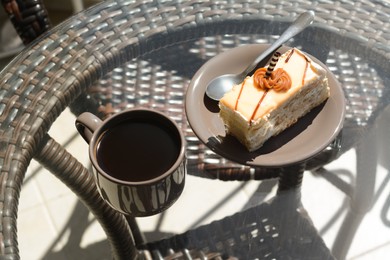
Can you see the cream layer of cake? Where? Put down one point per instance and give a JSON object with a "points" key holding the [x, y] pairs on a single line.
{"points": [[253, 115]]}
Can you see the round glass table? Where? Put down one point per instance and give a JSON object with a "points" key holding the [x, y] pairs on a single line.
{"points": [[123, 54]]}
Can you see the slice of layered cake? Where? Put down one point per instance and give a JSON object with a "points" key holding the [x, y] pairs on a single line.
{"points": [[270, 101]]}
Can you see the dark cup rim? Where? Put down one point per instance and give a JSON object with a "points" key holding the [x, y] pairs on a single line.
{"points": [[119, 117]]}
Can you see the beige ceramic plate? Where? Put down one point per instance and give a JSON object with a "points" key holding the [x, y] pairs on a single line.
{"points": [[310, 135]]}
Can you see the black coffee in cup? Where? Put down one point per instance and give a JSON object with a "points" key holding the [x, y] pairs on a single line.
{"points": [[138, 150], [138, 158]]}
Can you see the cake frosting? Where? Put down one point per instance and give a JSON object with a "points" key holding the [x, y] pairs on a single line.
{"points": [[264, 105]]}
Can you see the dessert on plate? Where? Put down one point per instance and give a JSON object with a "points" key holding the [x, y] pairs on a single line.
{"points": [[273, 98]]}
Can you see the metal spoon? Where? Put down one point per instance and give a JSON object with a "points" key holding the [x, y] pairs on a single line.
{"points": [[222, 84]]}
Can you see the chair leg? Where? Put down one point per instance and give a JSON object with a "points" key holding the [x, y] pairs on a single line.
{"points": [[362, 195]]}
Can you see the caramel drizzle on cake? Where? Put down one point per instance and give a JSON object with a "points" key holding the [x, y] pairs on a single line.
{"points": [[257, 107], [289, 56], [278, 80], [307, 64], [239, 94]]}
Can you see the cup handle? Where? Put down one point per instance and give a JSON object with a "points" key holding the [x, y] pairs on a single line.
{"points": [[86, 124]]}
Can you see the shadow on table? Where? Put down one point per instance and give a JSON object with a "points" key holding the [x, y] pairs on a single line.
{"points": [[384, 152], [74, 230], [79, 222], [259, 221]]}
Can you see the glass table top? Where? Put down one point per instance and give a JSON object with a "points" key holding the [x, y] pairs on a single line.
{"points": [[124, 54]]}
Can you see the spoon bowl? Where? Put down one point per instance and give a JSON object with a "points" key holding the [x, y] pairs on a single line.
{"points": [[224, 83], [221, 85]]}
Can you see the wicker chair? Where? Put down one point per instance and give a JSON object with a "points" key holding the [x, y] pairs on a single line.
{"points": [[204, 38]]}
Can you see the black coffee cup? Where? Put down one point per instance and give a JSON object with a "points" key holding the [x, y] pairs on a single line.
{"points": [[138, 157]]}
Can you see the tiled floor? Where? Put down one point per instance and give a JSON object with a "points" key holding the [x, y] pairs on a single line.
{"points": [[52, 224]]}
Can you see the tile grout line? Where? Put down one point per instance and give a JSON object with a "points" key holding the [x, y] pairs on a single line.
{"points": [[46, 207]]}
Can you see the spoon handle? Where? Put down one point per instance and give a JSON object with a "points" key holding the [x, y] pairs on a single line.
{"points": [[303, 20]]}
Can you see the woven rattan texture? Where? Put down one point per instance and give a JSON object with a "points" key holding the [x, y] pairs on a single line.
{"points": [[256, 233], [29, 18], [159, 81], [37, 86]]}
